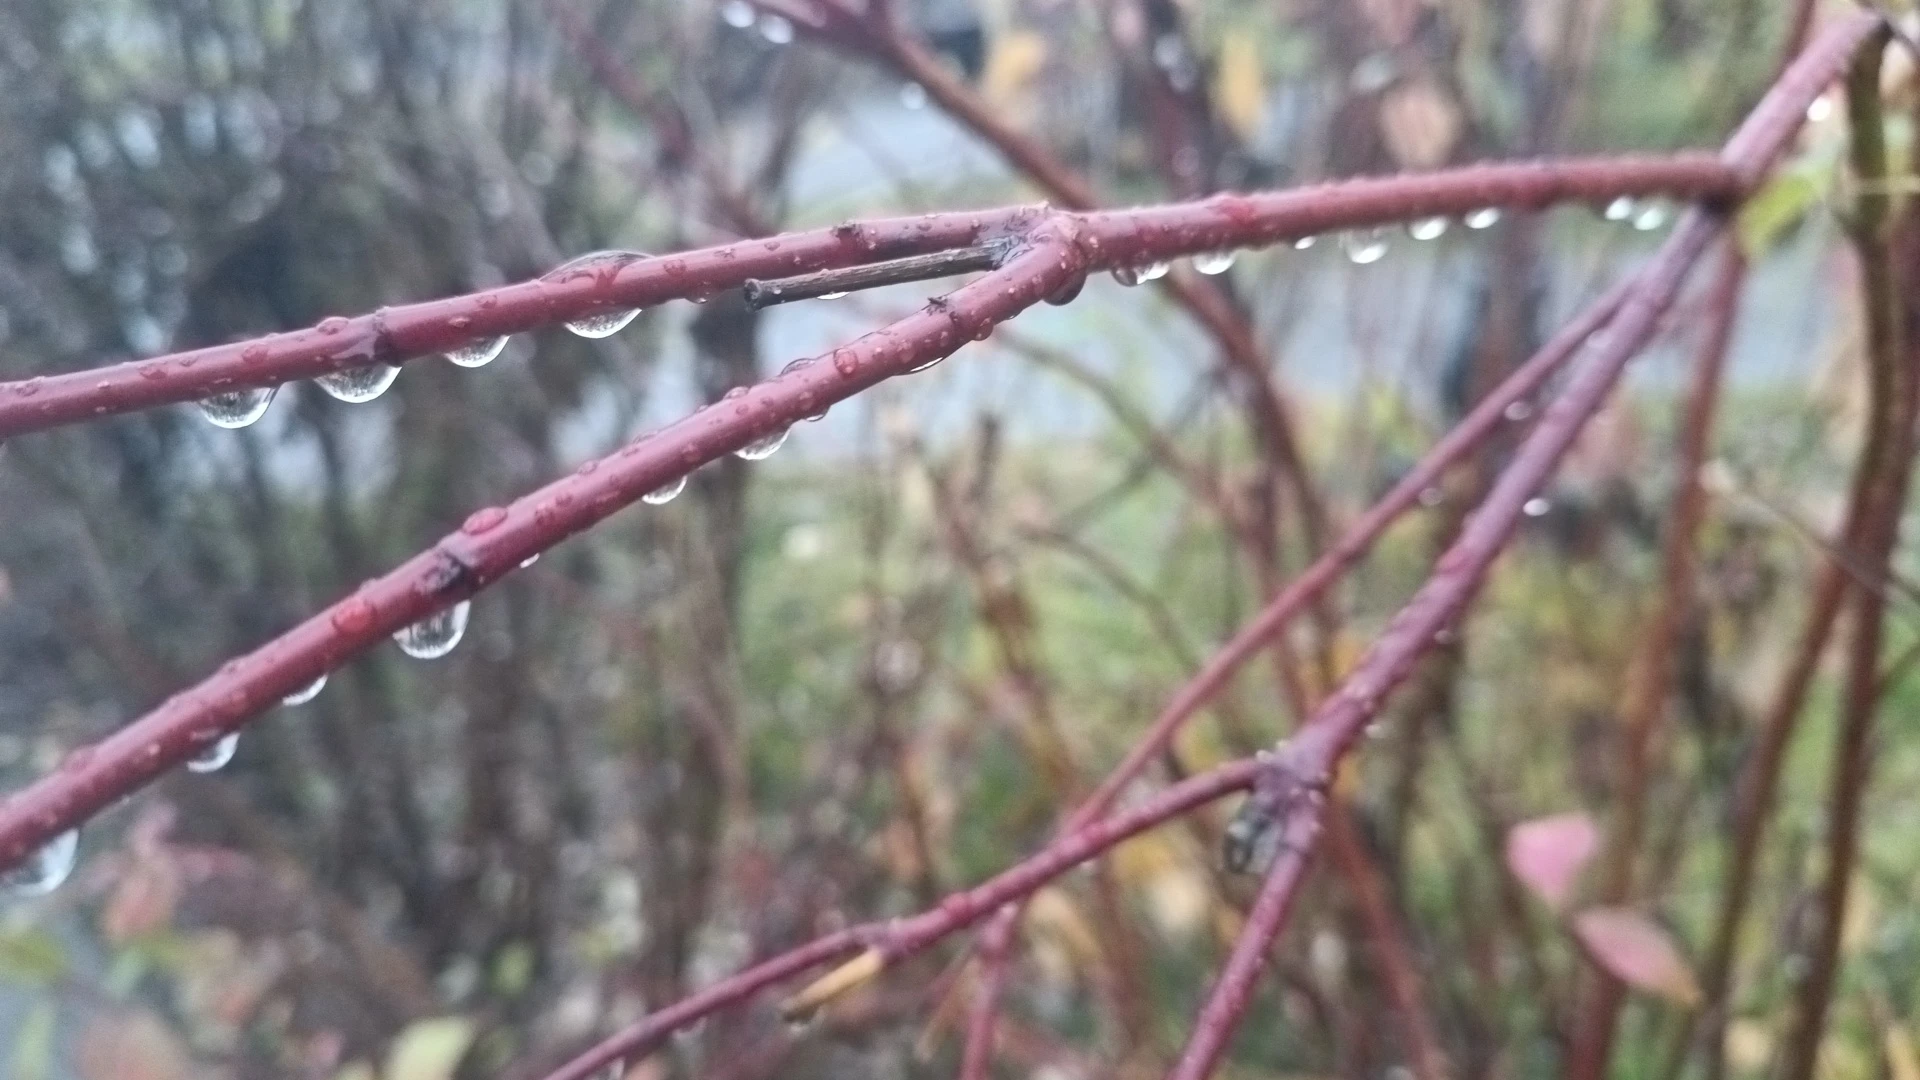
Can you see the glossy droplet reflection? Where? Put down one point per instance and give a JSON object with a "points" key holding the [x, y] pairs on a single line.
{"points": [[478, 353], [1650, 217], [436, 635], [1213, 262], [1364, 248], [44, 870], [665, 493], [600, 265], [777, 30], [1619, 209], [215, 754], [1536, 507], [359, 384], [737, 14], [763, 447], [237, 408], [306, 693], [1483, 218], [1304, 243], [1427, 228]]}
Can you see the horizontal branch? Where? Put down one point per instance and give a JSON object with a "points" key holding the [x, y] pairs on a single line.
{"points": [[1116, 238]]}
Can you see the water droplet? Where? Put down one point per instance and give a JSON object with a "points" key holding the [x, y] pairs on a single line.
{"points": [[1518, 411], [477, 353], [1067, 291], [529, 560], [737, 13], [605, 324], [1427, 228], [1213, 262], [775, 29], [832, 295], [1431, 496], [1364, 247], [435, 635], [913, 95], [1126, 275], [44, 870], [361, 383], [484, 520], [1651, 216], [1304, 243], [1820, 109], [797, 365], [665, 493], [763, 447], [1536, 507], [1484, 218], [1619, 209], [597, 264], [1153, 271], [215, 754], [306, 693], [237, 408]]}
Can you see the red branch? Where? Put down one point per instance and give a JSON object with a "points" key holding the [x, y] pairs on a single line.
{"points": [[1289, 786], [1112, 238]]}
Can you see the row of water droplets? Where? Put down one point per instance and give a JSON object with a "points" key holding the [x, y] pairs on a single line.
{"points": [[241, 408], [48, 868], [1366, 246]]}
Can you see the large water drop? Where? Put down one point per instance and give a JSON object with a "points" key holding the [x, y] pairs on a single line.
{"points": [[605, 324], [665, 493], [1364, 247], [1427, 228], [737, 13], [598, 264], [763, 447], [477, 353], [1651, 216], [776, 29], [306, 693], [1484, 218], [215, 755], [1536, 507], [1304, 242], [1213, 262], [435, 635], [359, 384], [1619, 209], [237, 408], [44, 870]]}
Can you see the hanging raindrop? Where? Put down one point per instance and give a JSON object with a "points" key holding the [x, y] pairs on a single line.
{"points": [[665, 493], [1484, 218], [44, 870], [1153, 271], [477, 353], [361, 383], [306, 693], [763, 447], [833, 295], [1304, 243], [1536, 507], [237, 408], [1619, 209], [1651, 216], [777, 30], [737, 14], [1214, 262], [435, 635], [1363, 248], [1126, 275], [1518, 410], [596, 263], [215, 755], [1427, 228], [529, 560]]}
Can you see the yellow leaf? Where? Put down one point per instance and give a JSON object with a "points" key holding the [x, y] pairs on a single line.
{"points": [[429, 1049], [1903, 1063], [1748, 1045], [1239, 86], [1421, 124], [1012, 61]]}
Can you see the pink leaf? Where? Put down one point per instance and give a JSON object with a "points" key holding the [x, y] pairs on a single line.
{"points": [[1635, 950], [1546, 854]]}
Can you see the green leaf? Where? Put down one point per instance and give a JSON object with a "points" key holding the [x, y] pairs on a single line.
{"points": [[1773, 209], [429, 1049]]}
